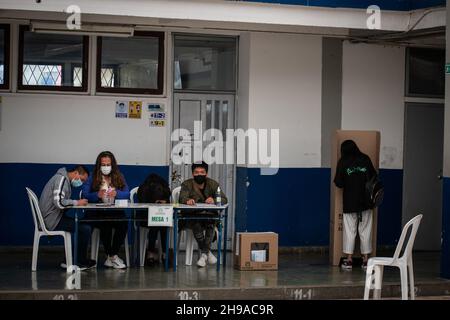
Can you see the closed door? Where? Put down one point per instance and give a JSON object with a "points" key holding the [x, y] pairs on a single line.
{"points": [[215, 112], [422, 165]]}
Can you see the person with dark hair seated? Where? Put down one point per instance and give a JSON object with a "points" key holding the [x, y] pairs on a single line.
{"points": [[201, 189], [55, 201], [106, 185], [155, 189]]}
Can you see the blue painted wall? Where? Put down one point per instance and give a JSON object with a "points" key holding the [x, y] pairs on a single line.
{"points": [[402, 5], [445, 256], [16, 222], [295, 203]]}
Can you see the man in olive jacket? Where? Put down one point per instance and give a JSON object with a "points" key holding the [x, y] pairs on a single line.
{"points": [[201, 189]]}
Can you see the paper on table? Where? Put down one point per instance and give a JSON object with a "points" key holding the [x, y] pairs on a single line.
{"points": [[104, 204]]}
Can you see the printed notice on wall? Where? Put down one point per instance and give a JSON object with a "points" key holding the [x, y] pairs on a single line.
{"points": [[157, 119], [157, 115], [157, 123], [135, 109], [121, 109], [152, 107]]}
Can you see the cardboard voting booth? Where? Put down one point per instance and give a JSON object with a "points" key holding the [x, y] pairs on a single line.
{"points": [[256, 251], [369, 143]]}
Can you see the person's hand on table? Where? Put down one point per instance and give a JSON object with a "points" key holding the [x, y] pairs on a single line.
{"points": [[112, 193], [82, 202], [101, 194], [190, 202], [210, 200]]}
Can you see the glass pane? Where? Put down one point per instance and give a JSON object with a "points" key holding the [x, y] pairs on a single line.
{"points": [[205, 63], [208, 114], [130, 62], [2, 56], [217, 114], [224, 117], [51, 59], [426, 72]]}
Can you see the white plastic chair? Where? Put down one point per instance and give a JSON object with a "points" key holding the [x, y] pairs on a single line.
{"points": [[143, 234], [375, 265], [41, 230], [188, 234], [95, 243]]}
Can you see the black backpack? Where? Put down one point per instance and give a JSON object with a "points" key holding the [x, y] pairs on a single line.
{"points": [[374, 192]]}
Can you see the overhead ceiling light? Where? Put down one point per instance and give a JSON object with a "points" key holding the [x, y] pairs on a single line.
{"points": [[85, 30]]}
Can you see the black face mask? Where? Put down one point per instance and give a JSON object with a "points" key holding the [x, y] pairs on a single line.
{"points": [[200, 179]]}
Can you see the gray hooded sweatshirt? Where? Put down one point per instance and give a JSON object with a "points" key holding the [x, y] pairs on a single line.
{"points": [[55, 198]]}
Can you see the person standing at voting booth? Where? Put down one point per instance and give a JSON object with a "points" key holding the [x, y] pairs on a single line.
{"points": [[104, 186], [353, 170], [201, 189]]}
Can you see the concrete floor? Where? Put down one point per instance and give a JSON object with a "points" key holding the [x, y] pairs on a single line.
{"points": [[300, 276]]}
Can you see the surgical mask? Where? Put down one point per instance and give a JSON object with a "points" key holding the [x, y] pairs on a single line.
{"points": [[200, 179], [106, 170], [76, 183]]}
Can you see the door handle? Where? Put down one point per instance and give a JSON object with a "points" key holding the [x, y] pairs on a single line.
{"points": [[439, 177]]}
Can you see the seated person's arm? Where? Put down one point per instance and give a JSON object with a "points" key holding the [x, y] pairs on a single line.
{"points": [[123, 193], [59, 198], [185, 197], [87, 194]]}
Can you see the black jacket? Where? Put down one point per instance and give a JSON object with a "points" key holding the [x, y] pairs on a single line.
{"points": [[351, 175], [152, 189]]}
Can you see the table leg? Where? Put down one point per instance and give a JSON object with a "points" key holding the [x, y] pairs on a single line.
{"points": [[166, 266], [135, 240], [175, 235], [219, 245], [225, 238], [75, 240]]}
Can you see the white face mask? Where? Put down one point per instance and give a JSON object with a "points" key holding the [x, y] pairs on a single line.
{"points": [[106, 170]]}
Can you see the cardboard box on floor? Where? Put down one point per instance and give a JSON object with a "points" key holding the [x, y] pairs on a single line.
{"points": [[369, 143], [262, 246]]}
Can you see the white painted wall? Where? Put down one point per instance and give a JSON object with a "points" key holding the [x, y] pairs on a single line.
{"points": [[373, 96], [238, 12], [285, 93], [45, 128]]}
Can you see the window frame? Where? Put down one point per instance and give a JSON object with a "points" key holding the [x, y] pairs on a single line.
{"points": [[145, 91], [408, 92], [84, 65], [7, 31]]}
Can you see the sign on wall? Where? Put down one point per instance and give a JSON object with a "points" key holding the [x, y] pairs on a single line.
{"points": [[135, 109], [121, 109], [160, 216]]}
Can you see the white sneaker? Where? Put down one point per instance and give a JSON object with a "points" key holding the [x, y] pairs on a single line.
{"points": [[211, 258], [115, 262], [202, 261]]}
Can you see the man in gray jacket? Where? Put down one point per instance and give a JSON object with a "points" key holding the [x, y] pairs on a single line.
{"points": [[55, 201]]}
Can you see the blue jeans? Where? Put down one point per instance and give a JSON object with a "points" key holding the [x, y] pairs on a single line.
{"points": [[84, 235]]}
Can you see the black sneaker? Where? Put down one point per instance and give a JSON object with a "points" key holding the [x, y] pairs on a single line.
{"points": [[88, 264], [364, 265], [347, 264]]}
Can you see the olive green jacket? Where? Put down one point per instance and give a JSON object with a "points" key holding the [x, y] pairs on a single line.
{"points": [[190, 190]]}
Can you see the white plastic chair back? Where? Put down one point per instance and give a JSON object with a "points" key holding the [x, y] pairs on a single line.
{"points": [[36, 211], [176, 194], [133, 193], [414, 225]]}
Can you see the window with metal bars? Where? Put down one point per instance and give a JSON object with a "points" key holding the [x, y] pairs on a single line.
{"points": [[4, 56], [131, 65], [52, 61]]}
